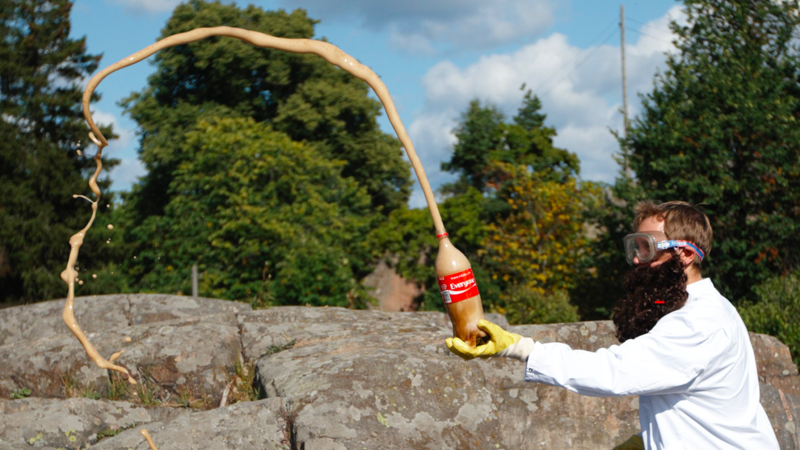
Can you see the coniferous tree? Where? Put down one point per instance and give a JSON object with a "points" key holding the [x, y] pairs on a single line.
{"points": [[41, 122], [516, 211], [721, 128]]}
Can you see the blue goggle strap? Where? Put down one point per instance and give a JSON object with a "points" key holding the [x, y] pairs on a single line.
{"points": [[663, 245]]}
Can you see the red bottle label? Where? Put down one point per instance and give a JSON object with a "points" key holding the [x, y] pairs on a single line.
{"points": [[458, 287]]}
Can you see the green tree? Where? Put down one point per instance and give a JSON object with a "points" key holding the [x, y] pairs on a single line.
{"points": [[40, 95], [301, 95], [484, 137], [609, 218], [265, 218], [523, 305], [406, 243], [775, 311], [721, 128], [541, 244], [516, 211], [479, 133]]}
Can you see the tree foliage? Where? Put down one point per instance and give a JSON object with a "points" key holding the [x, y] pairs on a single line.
{"points": [[541, 244], [776, 311], [485, 138], [721, 128], [301, 95], [516, 211], [275, 207], [265, 218], [609, 218], [405, 242], [41, 125], [522, 304]]}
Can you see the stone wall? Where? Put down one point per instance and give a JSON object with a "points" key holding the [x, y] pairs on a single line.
{"points": [[330, 378]]}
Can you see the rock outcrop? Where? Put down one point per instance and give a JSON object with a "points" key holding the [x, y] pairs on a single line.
{"points": [[329, 378]]}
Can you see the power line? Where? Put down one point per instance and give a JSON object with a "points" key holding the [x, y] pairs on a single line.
{"points": [[613, 33], [567, 64], [647, 35], [648, 25]]}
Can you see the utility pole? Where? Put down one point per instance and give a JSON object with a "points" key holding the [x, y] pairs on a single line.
{"points": [[624, 92]]}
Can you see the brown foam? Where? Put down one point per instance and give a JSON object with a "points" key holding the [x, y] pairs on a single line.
{"points": [[146, 435], [70, 274], [330, 53]]}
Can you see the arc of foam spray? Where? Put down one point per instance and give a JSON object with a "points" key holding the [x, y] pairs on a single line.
{"points": [[328, 51]]}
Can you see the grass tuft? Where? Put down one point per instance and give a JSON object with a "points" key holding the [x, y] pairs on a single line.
{"points": [[243, 387], [111, 432], [116, 387], [277, 348], [146, 393], [20, 393], [73, 388]]}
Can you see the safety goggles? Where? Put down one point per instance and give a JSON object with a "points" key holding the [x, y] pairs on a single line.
{"points": [[644, 246]]}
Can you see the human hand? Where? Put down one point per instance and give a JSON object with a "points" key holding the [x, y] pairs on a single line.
{"points": [[499, 340]]}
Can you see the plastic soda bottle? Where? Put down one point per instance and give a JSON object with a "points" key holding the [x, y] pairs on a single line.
{"points": [[459, 291]]}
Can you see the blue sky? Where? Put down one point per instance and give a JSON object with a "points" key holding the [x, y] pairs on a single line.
{"points": [[434, 57]]}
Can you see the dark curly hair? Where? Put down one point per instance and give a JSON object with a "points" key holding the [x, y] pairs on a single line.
{"points": [[637, 313]]}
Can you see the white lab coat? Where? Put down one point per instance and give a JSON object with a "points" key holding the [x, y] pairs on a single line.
{"points": [[694, 372]]}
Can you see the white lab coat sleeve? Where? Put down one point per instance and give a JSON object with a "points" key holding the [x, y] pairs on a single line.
{"points": [[666, 360]]}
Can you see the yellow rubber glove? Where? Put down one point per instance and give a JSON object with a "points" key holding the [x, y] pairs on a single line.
{"points": [[634, 443], [499, 340]]}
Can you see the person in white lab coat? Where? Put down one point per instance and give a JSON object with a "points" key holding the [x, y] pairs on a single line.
{"points": [[684, 349]]}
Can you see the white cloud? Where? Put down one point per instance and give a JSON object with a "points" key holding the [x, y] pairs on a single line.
{"points": [[580, 89], [126, 135], [413, 44], [127, 173], [420, 26], [430, 137], [485, 26], [122, 148], [148, 6]]}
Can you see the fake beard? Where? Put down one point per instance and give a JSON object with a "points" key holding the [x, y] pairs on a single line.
{"points": [[637, 312]]}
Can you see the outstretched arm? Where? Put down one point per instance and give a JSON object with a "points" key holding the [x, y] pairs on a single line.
{"points": [[652, 363]]}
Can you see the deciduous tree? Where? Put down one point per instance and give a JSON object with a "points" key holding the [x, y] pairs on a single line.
{"points": [[516, 211], [265, 218], [301, 95], [542, 243]]}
